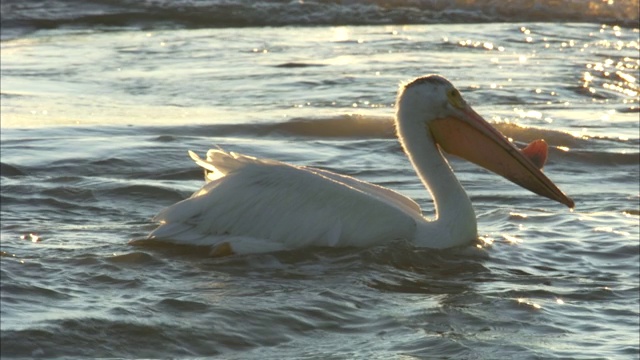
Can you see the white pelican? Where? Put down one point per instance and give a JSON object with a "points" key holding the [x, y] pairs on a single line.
{"points": [[251, 205]]}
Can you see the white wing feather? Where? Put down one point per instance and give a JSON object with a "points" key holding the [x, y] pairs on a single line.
{"points": [[223, 166], [264, 205], [388, 195]]}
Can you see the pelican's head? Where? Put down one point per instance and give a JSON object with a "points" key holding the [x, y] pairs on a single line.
{"points": [[431, 102], [429, 97]]}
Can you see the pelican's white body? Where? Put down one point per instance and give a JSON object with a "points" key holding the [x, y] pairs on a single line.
{"points": [[256, 205]]}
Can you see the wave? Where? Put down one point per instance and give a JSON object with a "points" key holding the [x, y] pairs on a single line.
{"points": [[367, 127], [10, 170], [41, 14], [597, 151], [605, 151]]}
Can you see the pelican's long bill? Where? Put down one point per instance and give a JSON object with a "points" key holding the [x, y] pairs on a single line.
{"points": [[471, 137]]}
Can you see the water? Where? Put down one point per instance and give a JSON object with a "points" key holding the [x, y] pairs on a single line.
{"points": [[100, 105]]}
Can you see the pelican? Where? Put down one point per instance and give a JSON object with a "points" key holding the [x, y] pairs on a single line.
{"points": [[251, 205]]}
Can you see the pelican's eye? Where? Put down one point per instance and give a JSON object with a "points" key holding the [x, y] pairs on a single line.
{"points": [[455, 98]]}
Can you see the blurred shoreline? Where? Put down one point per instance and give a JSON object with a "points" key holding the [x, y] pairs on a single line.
{"points": [[20, 18]]}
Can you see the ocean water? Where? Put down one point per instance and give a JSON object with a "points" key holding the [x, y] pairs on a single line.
{"points": [[101, 101]]}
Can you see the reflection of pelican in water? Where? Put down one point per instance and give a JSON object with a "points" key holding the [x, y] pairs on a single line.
{"points": [[254, 205]]}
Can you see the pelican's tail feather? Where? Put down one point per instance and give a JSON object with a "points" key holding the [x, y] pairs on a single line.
{"points": [[220, 163]]}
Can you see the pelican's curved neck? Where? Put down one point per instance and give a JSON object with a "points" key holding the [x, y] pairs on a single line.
{"points": [[455, 219]]}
